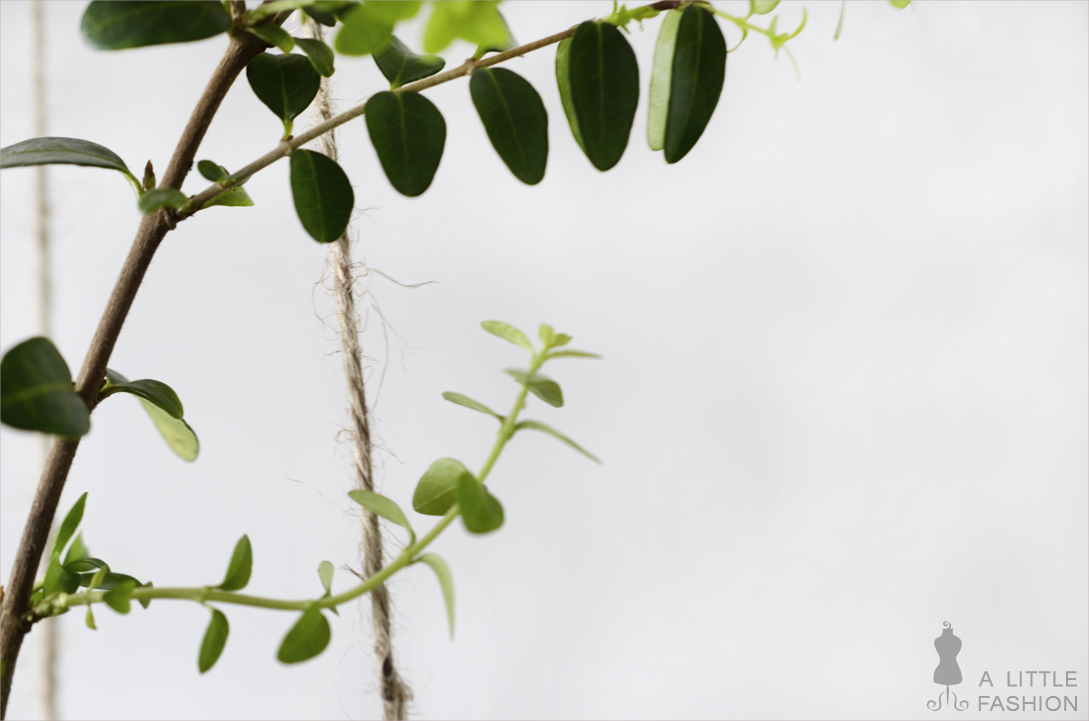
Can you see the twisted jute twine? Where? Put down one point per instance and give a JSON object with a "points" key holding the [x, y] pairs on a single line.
{"points": [[395, 692]]}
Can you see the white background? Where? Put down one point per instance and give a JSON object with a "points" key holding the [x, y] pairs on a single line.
{"points": [[843, 397]]}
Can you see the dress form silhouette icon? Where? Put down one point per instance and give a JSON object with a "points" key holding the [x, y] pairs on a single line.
{"points": [[948, 672]]}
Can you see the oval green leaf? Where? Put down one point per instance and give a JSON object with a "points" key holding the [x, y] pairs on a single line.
{"points": [[238, 571], [538, 426], [698, 73], [119, 598], [402, 66], [365, 29], [36, 392], [437, 490], [479, 23], [515, 119], [286, 84], [480, 510], [541, 386], [508, 333], [320, 54], [275, 36], [212, 171], [58, 578], [215, 638], [762, 7], [446, 581], [307, 638], [109, 25], [598, 78], [157, 198], [323, 195], [63, 151], [178, 434], [380, 505], [408, 133], [468, 402], [235, 197], [325, 573]]}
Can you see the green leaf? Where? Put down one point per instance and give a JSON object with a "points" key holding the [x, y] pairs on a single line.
{"points": [[365, 29], [661, 76], [152, 391], [307, 638], [69, 525], [899, 4], [119, 25], [402, 66], [326, 19], [323, 195], [571, 354], [58, 578], [698, 73], [85, 565], [507, 332], [98, 577], [286, 84], [839, 25], [598, 78], [215, 638], [380, 505], [156, 198], [480, 23], [91, 619], [322, 7], [119, 597], [236, 197], [515, 119], [537, 426], [468, 402], [238, 572], [64, 151], [145, 602], [393, 11], [320, 54], [175, 431], [325, 573], [762, 7], [275, 36], [547, 334], [437, 491], [212, 171], [544, 388], [408, 133], [561, 339], [446, 581], [36, 392], [480, 510], [77, 551]]}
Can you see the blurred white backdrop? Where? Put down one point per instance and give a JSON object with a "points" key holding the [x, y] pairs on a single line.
{"points": [[843, 398]]}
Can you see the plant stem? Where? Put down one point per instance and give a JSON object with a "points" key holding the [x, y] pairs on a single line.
{"points": [[14, 623]]}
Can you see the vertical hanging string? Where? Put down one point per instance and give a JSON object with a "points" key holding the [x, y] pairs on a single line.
{"points": [[395, 693], [50, 635]]}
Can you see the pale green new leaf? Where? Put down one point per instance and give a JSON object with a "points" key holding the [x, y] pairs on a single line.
{"points": [[446, 581], [508, 333]]}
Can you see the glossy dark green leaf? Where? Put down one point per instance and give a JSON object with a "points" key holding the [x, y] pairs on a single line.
{"points": [[698, 70], [320, 54], [215, 638], [119, 597], [69, 525], [480, 510], [307, 638], [108, 25], [109, 581], [87, 564], [77, 551], [380, 505], [446, 581], [479, 23], [515, 119], [152, 391], [437, 490], [36, 392], [401, 66], [538, 426], [508, 333], [541, 386], [468, 402], [238, 572], [326, 19], [63, 151], [157, 198], [178, 434], [365, 29], [275, 36], [323, 195], [598, 78], [408, 133], [286, 84], [325, 573]]}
